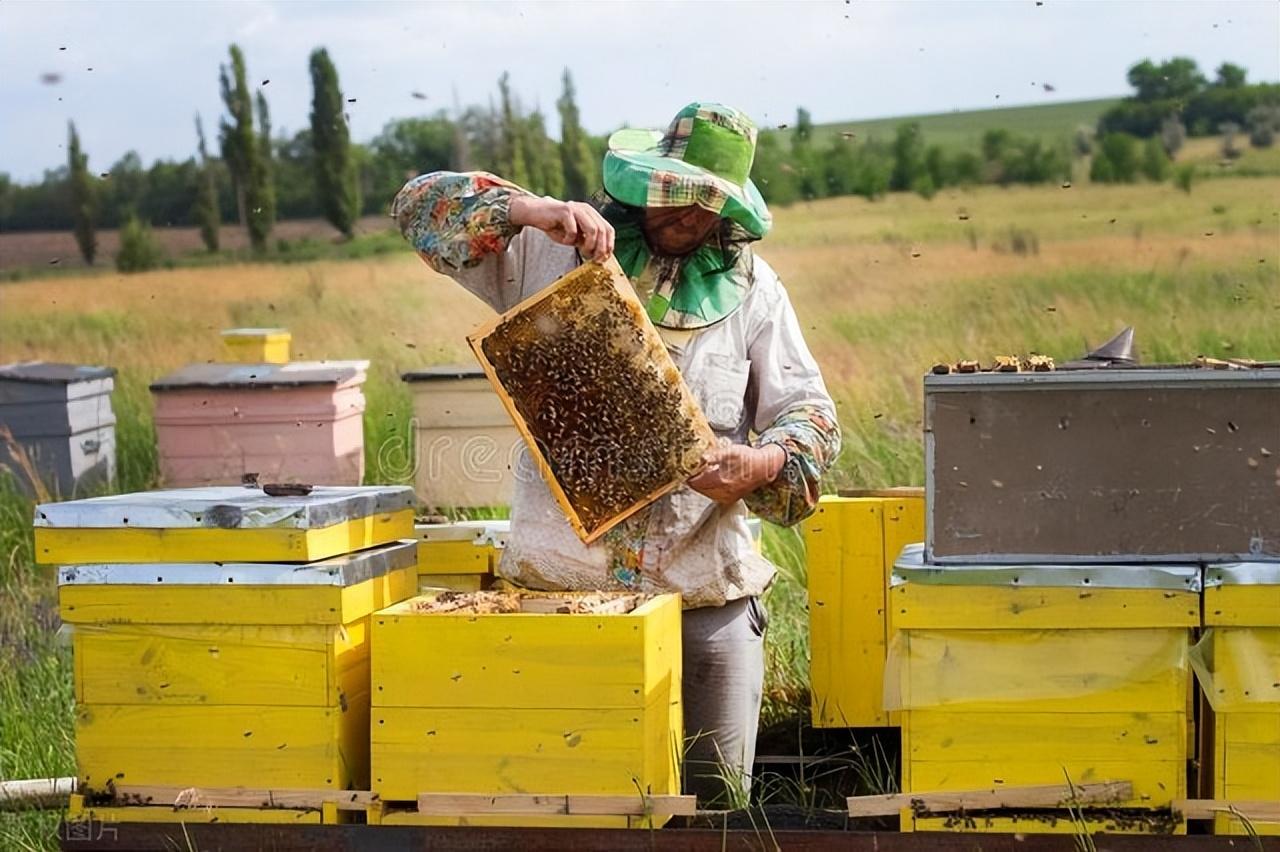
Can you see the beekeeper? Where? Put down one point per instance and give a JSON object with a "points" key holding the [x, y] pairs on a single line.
{"points": [[680, 214]]}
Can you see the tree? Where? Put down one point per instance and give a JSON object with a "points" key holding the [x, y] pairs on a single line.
{"points": [[206, 210], [1230, 76], [236, 136], [546, 171], [513, 159], [337, 186], [581, 171], [1116, 160], [262, 195], [83, 202], [1264, 124], [1174, 79], [1155, 162], [139, 250], [908, 159]]}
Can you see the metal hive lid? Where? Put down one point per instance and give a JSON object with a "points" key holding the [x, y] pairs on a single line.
{"points": [[293, 374], [1242, 574], [911, 568], [224, 507], [493, 531], [443, 373], [346, 570], [53, 373]]}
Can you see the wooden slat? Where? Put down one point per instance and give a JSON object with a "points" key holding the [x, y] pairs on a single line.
{"points": [[244, 797], [1209, 808], [1047, 796], [36, 793], [475, 804]]}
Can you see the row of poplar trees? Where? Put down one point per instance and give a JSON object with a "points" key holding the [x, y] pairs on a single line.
{"points": [[244, 137]]}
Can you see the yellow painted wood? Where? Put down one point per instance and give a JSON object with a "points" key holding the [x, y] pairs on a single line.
{"points": [[1061, 671], [1155, 783], [844, 545], [469, 750], [276, 544], [925, 606], [1011, 737], [240, 605], [411, 818], [1054, 823], [455, 557], [1250, 771], [1242, 605], [195, 816], [220, 746], [1258, 728], [452, 582], [263, 348], [524, 660]]}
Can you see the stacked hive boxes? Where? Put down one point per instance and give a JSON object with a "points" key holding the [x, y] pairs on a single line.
{"points": [[580, 702], [1044, 636], [1029, 675], [1238, 662], [460, 556], [221, 640], [850, 545]]}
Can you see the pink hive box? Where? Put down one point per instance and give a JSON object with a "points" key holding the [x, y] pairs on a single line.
{"points": [[296, 422]]}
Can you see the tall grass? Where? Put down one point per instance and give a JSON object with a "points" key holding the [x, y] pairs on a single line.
{"points": [[882, 292]]}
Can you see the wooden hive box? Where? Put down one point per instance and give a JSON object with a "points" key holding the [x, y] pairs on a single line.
{"points": [[257, 345], [228, 675], [59, 416], [1110, 466], [1238, 663], [460, 556], [465, 442], [1011, 676], [600, 404], [296, 422], [221, 524], [851, 544], [581, 703]]}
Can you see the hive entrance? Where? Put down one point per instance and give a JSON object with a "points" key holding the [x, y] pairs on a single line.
{"points": [[490, 603], [597, 398]]}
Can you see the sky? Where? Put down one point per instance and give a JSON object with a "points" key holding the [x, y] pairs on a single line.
{"points": [[132, 75]]}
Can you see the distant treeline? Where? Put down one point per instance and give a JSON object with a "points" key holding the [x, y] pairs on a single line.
{"points": [[254, 177]]}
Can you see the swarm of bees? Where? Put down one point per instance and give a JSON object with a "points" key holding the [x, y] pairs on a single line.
{"points": [[601, 401]]}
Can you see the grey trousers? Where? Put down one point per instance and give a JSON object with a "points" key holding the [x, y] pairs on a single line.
{"points": [[723, 683]]}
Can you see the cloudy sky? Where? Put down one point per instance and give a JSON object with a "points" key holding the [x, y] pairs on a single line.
{"points": [[133, 75]]}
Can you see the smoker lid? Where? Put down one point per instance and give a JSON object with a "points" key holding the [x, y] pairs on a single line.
{"points": [[912, 568], [293, 374], [345, 570], [224, 507], [443, 373], [51, 373]]}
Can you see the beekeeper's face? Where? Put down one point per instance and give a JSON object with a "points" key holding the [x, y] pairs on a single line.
{"points": [[677, 231]]}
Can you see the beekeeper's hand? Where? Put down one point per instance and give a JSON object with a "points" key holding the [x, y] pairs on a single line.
{"points": [[732, 471], [569, 223]]}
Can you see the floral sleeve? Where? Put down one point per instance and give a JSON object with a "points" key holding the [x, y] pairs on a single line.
{"points": [[812, 441], [455, 219]]}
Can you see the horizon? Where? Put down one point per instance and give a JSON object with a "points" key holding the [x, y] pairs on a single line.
{"points": [[833, 47]]}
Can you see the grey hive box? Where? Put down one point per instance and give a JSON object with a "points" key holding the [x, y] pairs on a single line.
{"points": [[60, 416], [1171, 464]]}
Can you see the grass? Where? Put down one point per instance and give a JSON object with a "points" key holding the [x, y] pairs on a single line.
{"points": [[882, 290], [1053, 123]]}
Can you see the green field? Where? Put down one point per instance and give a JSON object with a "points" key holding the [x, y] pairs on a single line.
{"points": [[1051, 122], [883, 290]]}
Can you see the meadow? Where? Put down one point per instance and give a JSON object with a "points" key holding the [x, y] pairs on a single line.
{"points": [[883, 290]]}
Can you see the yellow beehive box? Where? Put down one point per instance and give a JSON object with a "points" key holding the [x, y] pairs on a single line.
{"points": [[851, 544], [1238, 665], [227, 675], [221, 524], [257, 345], [460, 556], [1028, 675], [585, 702]]}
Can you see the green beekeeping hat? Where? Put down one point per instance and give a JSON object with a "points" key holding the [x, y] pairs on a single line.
{"points": [[704, 158]]}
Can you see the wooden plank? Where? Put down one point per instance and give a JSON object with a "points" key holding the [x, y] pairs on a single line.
{"points": [[496, 751], [1010, 737], [1256, 605], [243, 797], [675, 447], [218, 746], [1155, 783], [924, 606], [36, 793], [467, 804], [1044, 796], [80, 546], [844, 546], [1262, 811], [454, 557]]}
